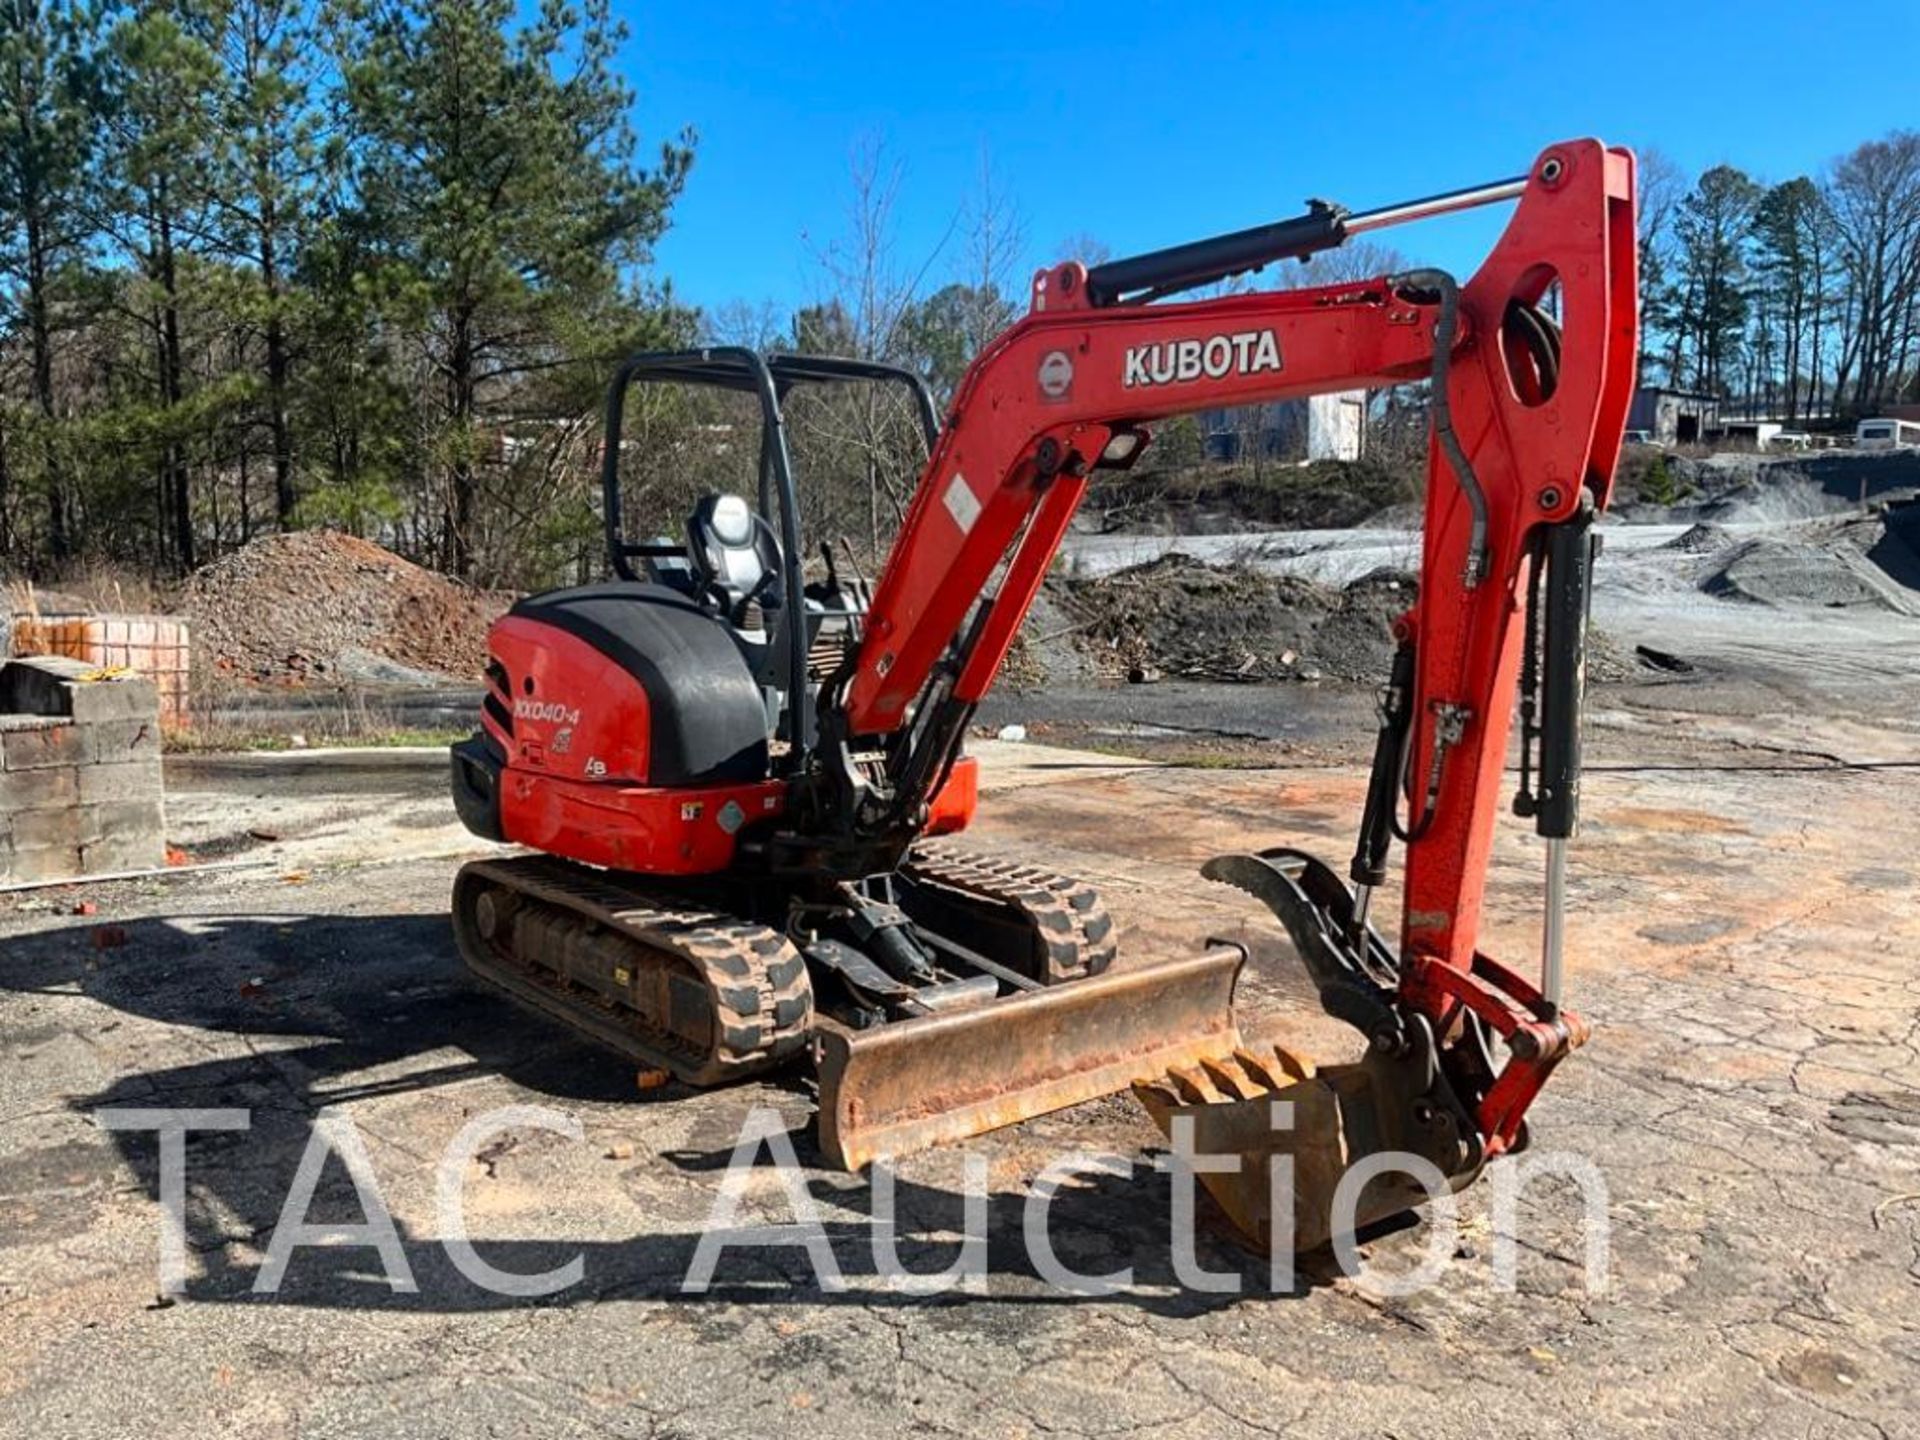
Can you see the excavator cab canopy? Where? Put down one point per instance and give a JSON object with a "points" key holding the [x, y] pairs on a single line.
{"points": [[773, 533]]}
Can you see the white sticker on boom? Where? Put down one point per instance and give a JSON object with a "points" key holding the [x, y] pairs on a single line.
{"points": [[962, 503]]}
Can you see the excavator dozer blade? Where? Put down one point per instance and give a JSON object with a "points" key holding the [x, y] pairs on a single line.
{"points": [[1291, 1160], [904, 1086]]}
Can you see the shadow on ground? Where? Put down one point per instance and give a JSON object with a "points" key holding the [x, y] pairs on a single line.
{"points": [[336, 1010]]}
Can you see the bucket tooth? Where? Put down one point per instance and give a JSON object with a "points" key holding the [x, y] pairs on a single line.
{"points": [[1278, 1066], [1232, 1080], [1339, 1114]]}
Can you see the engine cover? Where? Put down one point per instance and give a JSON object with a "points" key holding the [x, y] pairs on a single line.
{"points": [[621, 727], [626, 682]]}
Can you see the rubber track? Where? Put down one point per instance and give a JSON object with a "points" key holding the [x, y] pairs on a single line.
{"points": [[1068, 914], [762, 998]]}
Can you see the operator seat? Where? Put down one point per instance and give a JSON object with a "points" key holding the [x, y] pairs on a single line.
{"points": [[734, 553]]}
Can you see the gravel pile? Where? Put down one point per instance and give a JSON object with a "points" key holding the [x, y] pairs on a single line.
{"points": [[1777, 572], [1701, 538], [1180, 618], [316, 606], [1850, 561]]}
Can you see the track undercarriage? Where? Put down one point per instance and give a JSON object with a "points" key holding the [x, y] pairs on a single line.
{"points": [[964, 992]]}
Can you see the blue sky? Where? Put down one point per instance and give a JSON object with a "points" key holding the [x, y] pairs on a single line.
{"points": [[1145, 124]]}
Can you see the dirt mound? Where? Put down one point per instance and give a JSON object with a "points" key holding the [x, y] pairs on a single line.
{"points": [[1182, 618], [320, 606], [1777, 572]]}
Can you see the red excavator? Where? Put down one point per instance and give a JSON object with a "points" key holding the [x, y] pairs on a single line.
{"points": [[742, 776]]}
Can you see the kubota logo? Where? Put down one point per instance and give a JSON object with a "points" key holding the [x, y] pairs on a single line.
{"points": [[1170, 362]]}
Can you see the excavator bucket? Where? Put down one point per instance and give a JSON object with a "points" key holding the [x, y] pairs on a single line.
{"points": [[1295, 1131], [904, 1086]]}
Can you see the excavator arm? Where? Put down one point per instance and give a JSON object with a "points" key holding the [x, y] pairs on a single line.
{"points": [[1532, 363]]}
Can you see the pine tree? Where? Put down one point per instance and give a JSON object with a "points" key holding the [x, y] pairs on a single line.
{"points": [[162, 107], [1708, 297], [268, 195], [1790, 229], [46, 154], [495, 171]]}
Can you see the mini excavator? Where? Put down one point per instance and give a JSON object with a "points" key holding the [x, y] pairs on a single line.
{"points": [[744, 781]]}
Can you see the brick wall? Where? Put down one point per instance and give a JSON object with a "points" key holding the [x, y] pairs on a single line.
{"points": [[80, 786]]}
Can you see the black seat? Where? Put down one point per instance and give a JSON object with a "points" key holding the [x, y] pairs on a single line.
{"points": [[734, 553]]}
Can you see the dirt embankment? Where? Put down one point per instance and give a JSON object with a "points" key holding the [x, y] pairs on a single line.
{"points": [[1181, 618], [1207, 499], [316, 606], [1653, 486]]}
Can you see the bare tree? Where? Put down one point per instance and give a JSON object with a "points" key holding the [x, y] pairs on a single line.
{"points": [[869, 430], [995, 237], [758, 325], [1089, 250], [1874, 196], [1662, 185], [862, 268], [1343, 265]]}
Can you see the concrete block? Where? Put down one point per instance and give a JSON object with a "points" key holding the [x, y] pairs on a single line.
{"points": [[40, 862], [117, 742], [133, 849], [122, 817], [125, 697], [39, 829], [44, 789], [80, 771], [138, 779], [36, 744], [38, 685]]}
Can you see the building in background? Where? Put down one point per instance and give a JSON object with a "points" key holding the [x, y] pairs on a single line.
{"points": [[1674, 417], [1321, 427], [1337, 425]]}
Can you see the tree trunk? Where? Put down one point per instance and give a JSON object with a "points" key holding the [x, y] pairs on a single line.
{"points": [[460, 388], [40, 327], [6, 497], [178, 480], [278, 368]]}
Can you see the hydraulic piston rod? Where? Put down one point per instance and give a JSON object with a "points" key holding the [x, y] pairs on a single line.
{"points": [[1448, 203], [1570, 549], [1323, 227]]}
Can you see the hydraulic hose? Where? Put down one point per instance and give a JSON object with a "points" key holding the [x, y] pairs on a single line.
{"points": [[1440, 283]]}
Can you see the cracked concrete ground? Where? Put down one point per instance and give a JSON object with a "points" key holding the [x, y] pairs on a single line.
{"points": [[1745, 943]]}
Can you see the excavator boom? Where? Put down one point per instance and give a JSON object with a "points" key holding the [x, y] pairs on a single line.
{"points": [[1531, 363]]}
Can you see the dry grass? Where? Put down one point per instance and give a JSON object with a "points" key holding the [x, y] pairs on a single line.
{"points": [[96, 589], [218, 721]]}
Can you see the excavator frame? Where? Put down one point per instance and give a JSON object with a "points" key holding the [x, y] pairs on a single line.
{"points": [[1531, 363]]}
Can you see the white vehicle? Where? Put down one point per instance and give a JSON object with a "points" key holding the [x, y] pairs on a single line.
{"points": [[1886, 434]]}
